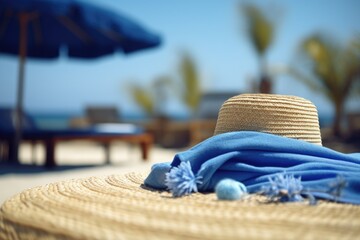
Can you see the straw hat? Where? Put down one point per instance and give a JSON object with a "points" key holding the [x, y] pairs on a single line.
{"points": [[121, 207], [288, 116]]}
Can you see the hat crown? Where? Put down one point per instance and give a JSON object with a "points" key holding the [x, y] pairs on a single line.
{"points": [[283, 115]]}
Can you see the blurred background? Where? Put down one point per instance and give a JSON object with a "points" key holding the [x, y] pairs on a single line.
{"points": [[210, 51]]}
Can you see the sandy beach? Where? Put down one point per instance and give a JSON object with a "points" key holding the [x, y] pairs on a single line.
{"points": [[75, 160]]}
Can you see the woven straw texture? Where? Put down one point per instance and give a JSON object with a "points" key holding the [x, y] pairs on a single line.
{"points": [[118, 207], [287, 116]]}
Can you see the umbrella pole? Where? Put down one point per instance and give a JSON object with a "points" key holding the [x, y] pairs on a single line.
{"points": [[23, 20]]}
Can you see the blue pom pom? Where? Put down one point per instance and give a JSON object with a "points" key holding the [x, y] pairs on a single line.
{"points": [[228, 189]]}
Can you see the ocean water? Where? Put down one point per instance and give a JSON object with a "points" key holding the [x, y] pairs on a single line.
{"points": [[62, 120], [52, 120]]}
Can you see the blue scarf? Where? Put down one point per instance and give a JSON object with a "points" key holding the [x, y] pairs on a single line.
{"points": [[254, 157]]}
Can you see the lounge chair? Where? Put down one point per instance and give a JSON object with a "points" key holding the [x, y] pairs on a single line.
{"points": [[102, 133], [96, 115], [102, 114]]}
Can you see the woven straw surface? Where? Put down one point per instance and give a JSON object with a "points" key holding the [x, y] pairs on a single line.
{"points": [[287, 116], [118, 207]]}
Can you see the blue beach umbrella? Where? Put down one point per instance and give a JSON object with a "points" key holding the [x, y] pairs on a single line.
{"points": [[43, 28]]}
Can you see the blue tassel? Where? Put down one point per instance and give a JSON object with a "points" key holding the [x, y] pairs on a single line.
{"points": [[181, 180], [284, 188]]}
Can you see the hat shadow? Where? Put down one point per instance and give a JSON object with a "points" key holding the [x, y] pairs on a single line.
{"points": [[143, 186]]}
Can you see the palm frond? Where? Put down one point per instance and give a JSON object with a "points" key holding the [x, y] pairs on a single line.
{"points": [[191, 92], [352, 66], [305, 79], [143, 98], [335, 67], [328, 65], [260, 28]]}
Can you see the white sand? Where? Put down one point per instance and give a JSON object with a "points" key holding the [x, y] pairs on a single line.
{"points": [[72, 159]]}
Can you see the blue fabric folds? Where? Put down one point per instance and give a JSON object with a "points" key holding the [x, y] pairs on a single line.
{"points": [[253, 157]]}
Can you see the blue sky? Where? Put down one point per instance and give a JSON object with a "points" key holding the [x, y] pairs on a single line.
{"points": [[211, 31]]}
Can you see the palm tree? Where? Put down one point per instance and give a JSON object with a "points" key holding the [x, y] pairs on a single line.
{"points": [[334, 71], [144, 98], [260, 30], [160, 87], [152, 98], [190, 87]]}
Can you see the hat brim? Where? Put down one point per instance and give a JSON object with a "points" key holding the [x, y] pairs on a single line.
{"points": [[120, 207]]}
